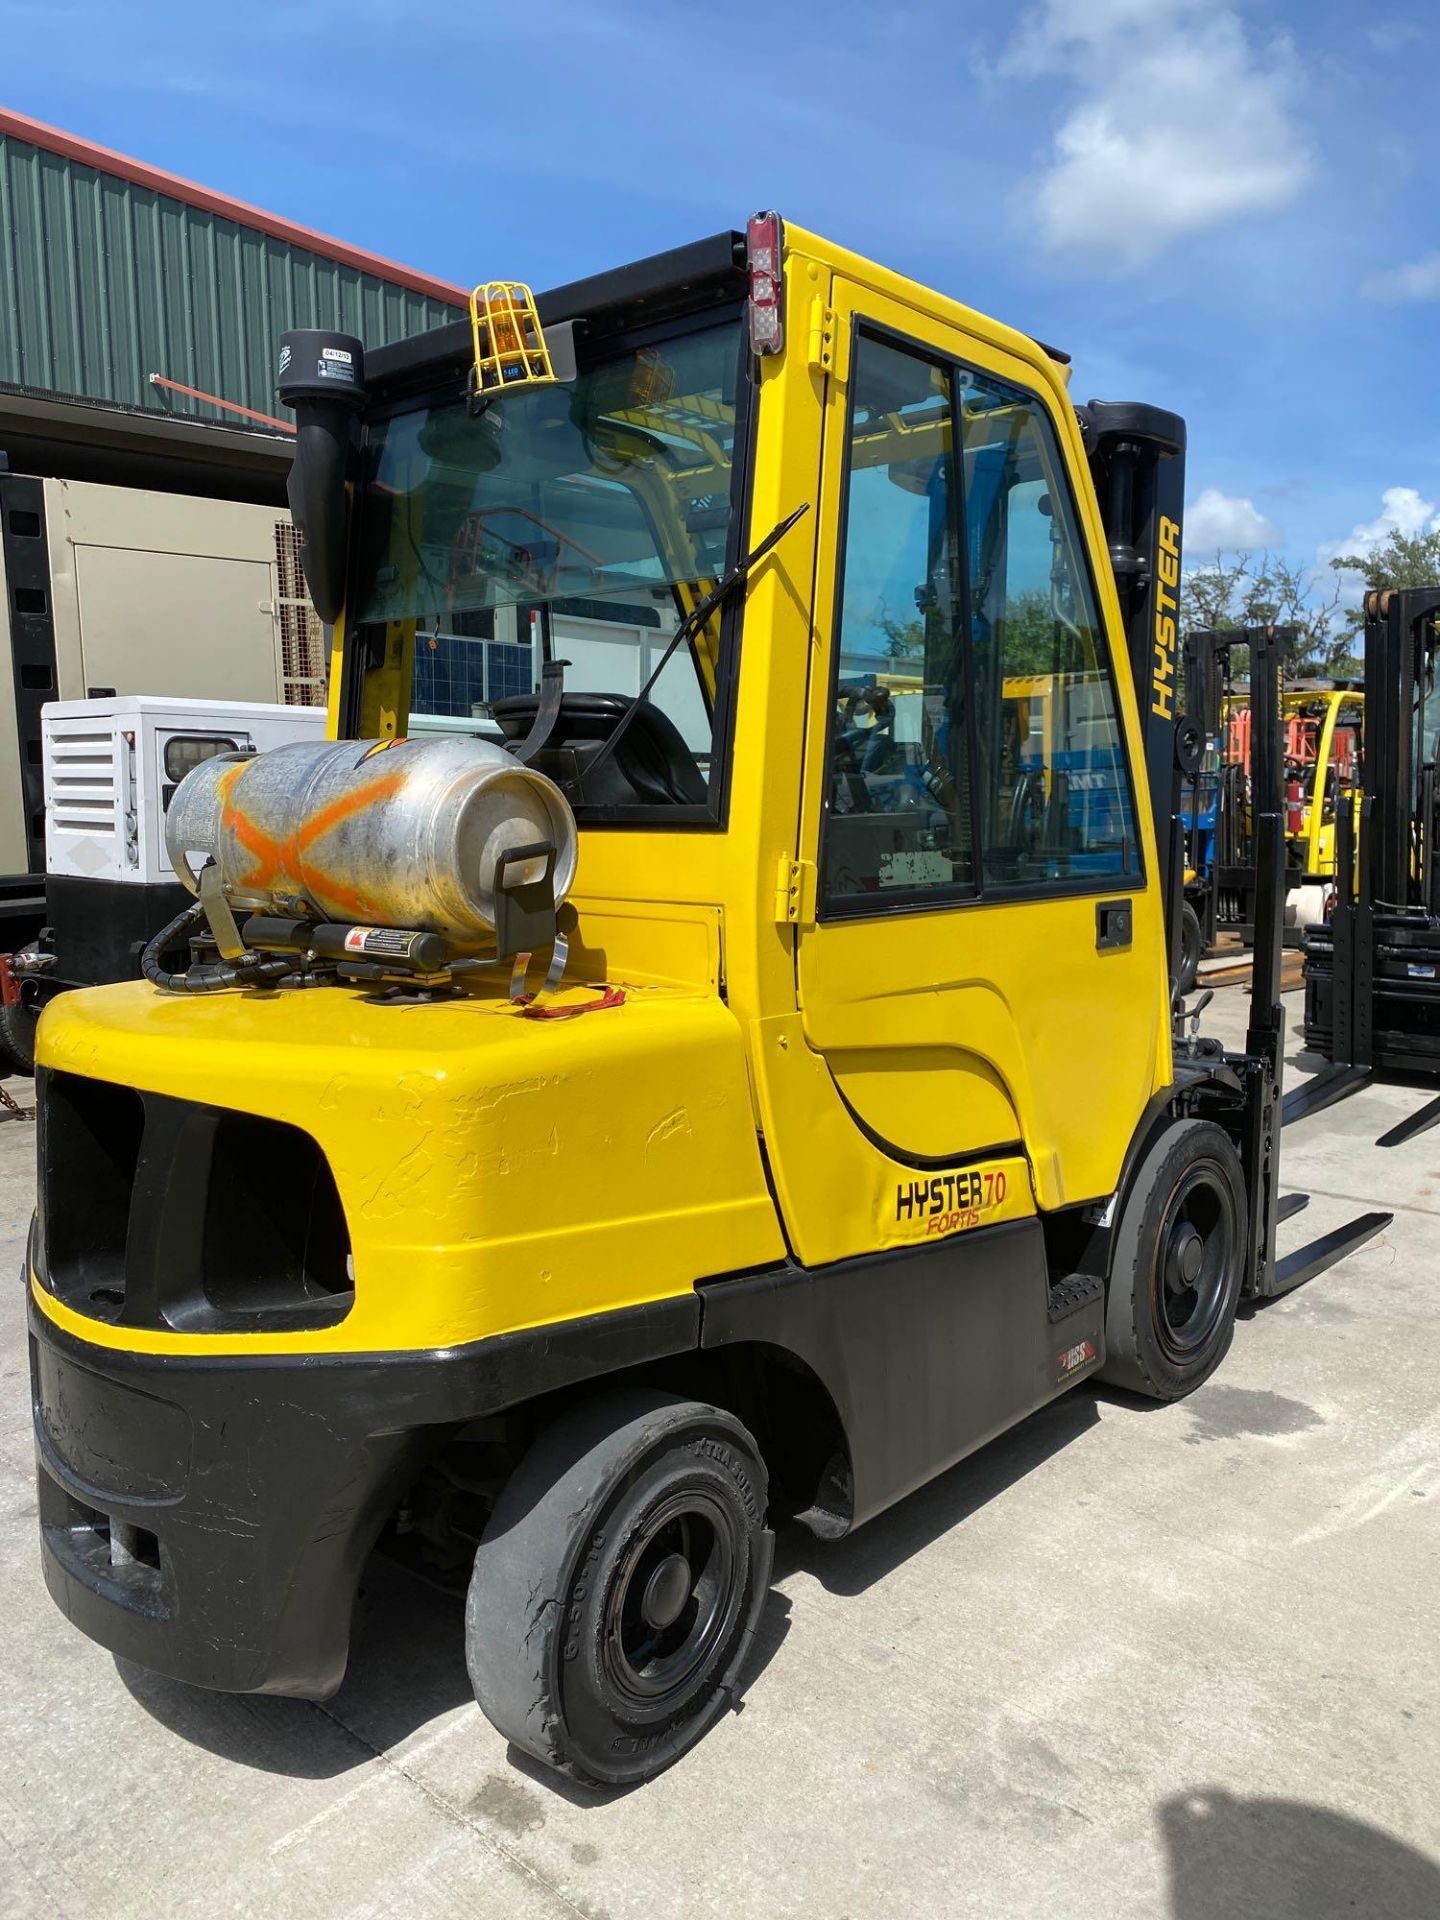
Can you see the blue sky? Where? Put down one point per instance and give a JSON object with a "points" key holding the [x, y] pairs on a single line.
{"points": [[1226, 209]]}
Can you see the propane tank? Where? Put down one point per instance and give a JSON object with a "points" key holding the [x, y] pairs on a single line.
{"points": [[390, 833]]}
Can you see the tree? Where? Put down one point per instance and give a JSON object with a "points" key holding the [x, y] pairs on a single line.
{"points": [[1405, 560], [1209, 595], [904, 639], [1029, 636], [1270, 591], [1281, 594]]}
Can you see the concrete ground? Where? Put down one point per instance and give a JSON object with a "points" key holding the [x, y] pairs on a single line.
{"points": [[1128, 1661]]}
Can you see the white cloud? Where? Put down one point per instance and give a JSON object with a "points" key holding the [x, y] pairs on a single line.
{"points": [[1048, 31], [1394, 36], [1419, 280], [1223, 521], [1402, 510], [1182, 123]]}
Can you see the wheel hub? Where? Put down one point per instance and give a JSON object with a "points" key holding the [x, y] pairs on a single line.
{"points": [[1187, 1255], [666, 1592], [1196, 1256], [672, 1598]]}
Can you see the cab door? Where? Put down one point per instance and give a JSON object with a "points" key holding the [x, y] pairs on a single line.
{"points": [[984, 965]]}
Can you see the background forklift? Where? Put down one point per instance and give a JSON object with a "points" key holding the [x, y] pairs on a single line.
{"points": [[1372, 967], [1322, 727], [852, 1119], [1220, 874]]}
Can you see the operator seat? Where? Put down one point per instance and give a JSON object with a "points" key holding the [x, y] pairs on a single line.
{"points": [[652, 766]]}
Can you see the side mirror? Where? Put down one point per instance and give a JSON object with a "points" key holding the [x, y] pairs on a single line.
{"points": [[322, 377]]}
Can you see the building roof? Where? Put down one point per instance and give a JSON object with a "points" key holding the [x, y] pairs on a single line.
{"points": [[126, 285], [105, 160]]}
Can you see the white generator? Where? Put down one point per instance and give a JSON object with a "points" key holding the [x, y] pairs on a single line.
{"points": [[110, 767]]}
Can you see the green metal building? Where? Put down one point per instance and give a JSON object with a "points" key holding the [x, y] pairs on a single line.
{"points": [[112, 272]]}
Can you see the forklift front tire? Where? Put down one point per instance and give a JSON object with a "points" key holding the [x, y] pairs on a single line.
{"points": [[618, 1585], [1178, 1264]]}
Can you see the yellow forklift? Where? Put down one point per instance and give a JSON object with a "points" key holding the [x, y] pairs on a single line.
{"points": [[659, 1106], [1372, 964], [1324, 725]]}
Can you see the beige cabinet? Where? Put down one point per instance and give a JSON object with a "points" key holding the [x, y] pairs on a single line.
{"points": [[164, 593], [117, 591], [176, 623]]}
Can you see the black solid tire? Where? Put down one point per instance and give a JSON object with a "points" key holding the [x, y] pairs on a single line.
{"points": [[18, 1022], [558, 1560], [1191, 946], [1192, 1168]]}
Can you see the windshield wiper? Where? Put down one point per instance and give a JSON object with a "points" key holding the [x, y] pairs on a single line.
{"points": [[688, 628]]}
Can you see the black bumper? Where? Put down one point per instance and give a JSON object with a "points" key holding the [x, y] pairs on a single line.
{"points": [[208, 1518], [100, 928]]}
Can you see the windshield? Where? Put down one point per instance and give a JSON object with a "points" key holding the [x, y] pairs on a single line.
{"points": [[577, 522]]}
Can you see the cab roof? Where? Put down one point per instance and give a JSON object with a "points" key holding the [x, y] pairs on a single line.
{"points": [[688, 279]]}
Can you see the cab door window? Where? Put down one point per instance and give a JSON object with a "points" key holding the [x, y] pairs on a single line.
{"points": [[975, 743], [897, 821], [1055, 800]]}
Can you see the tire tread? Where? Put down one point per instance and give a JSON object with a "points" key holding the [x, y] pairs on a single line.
{"points": [[1126, 1361], [528, 1554]]}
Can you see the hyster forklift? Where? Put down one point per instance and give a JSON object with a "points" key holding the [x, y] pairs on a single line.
{"points": [[1215, 798], [1322, 727], [563, 1160], [1372, 965]]}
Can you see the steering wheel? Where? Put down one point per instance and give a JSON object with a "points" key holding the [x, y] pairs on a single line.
{"points": [[652, 755]]}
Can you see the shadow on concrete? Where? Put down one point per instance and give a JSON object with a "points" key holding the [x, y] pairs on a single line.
{"points": [[407, 1665], [1238, 1859], [769, 1635], [1305, 1060], [851, 1565], [407, 1668]]}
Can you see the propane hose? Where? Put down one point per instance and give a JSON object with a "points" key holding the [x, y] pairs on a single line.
{"points": [[248, 972]]}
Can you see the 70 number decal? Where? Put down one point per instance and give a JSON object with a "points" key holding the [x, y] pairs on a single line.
{"points": [[946, 1202]]}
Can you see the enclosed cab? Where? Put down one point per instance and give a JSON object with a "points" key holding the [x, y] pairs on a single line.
{"points": [[825, 1123], [1324, 745]]}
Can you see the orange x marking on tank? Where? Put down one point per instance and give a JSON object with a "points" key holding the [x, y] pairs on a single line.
{"points": [[275, 859]]}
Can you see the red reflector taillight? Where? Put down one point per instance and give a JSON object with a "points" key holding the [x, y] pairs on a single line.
{"points": [[762, 259]]}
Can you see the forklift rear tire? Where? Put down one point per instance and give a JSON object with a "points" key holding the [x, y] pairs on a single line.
{"points": [[1191, 947], [17, 1037], [618, 1585], [1178, 1265]]}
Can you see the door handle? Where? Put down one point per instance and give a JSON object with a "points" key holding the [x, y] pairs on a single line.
{"points": [[1114, 924]]}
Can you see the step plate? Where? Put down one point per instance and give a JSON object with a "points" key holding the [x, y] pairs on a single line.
{"points": [[1067, 1296]]}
